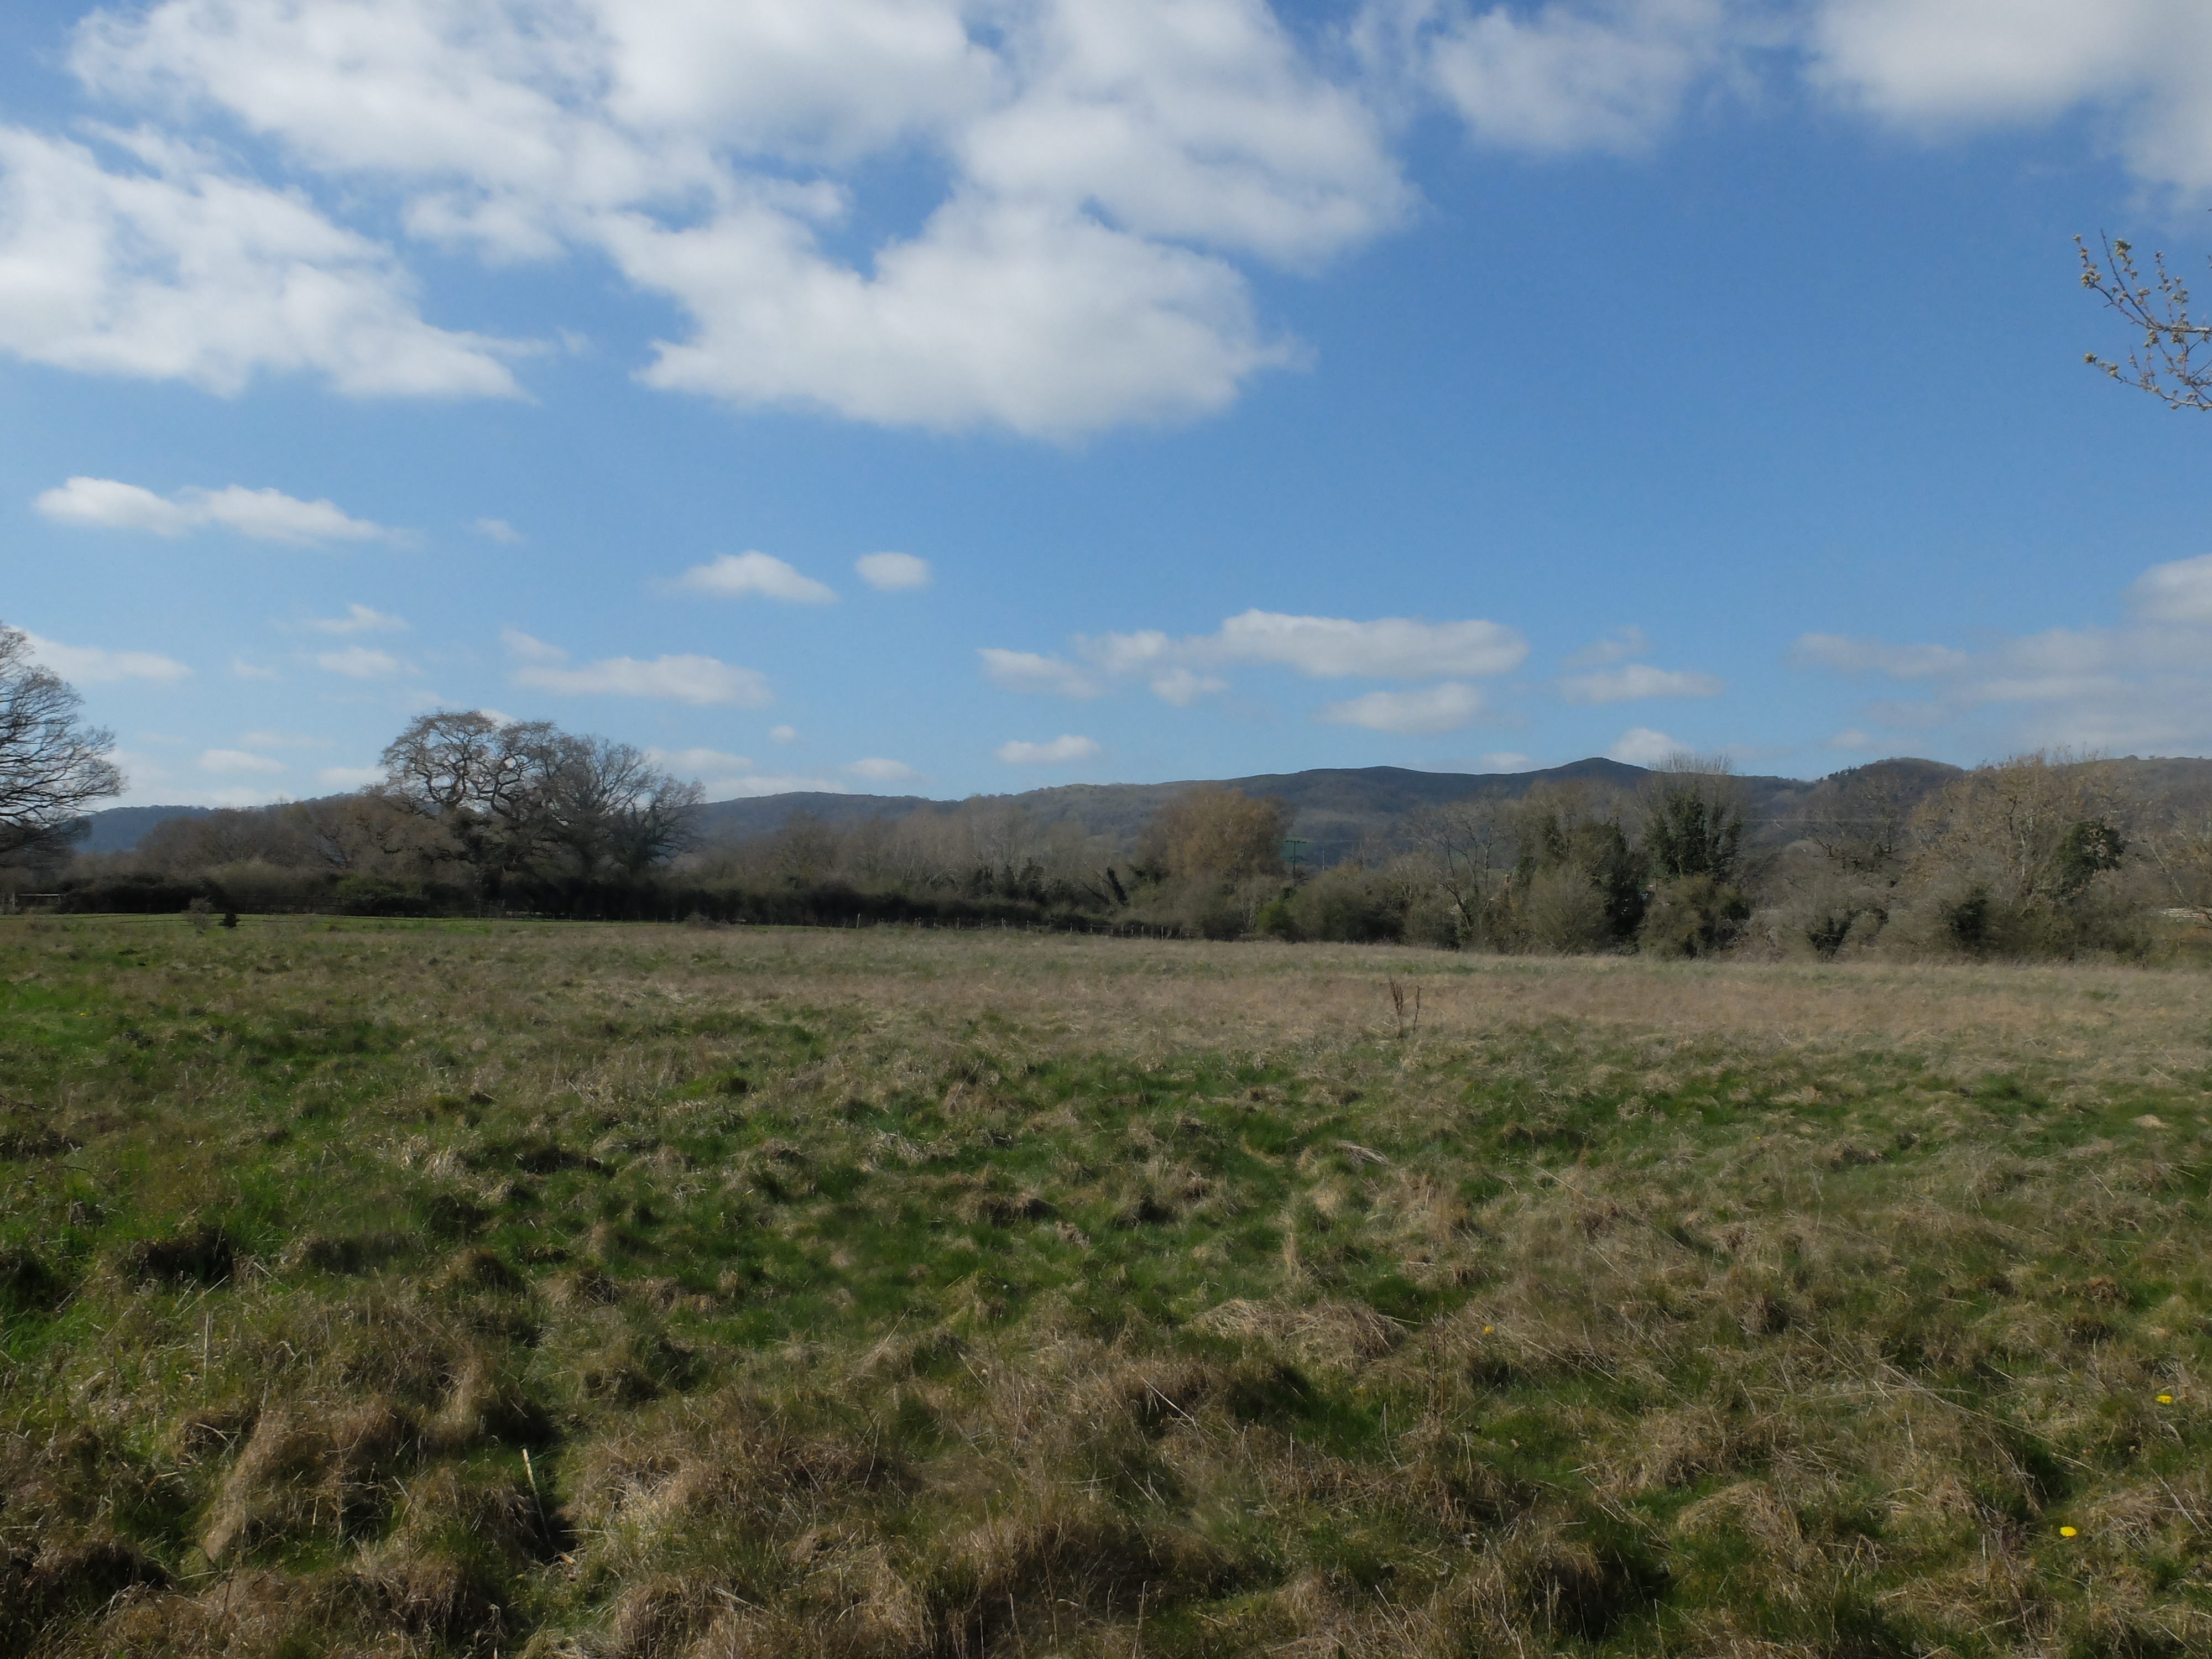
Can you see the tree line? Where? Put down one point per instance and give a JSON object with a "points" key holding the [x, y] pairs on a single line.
{"points": [[2039, 854]]}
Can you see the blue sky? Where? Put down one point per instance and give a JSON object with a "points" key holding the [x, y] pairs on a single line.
{"points": [[1244, 389]]}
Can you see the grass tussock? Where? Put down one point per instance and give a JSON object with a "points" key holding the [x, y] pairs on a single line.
{"points": [[584, 1293]]}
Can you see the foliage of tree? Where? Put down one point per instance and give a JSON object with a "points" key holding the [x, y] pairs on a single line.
{"points": [[52, 765]]}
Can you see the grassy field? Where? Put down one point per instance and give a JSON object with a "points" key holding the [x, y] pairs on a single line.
{"points": [[568, 1290]]}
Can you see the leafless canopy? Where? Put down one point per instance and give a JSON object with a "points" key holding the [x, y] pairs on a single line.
{"points": [[2165, 365], [50, 766]]}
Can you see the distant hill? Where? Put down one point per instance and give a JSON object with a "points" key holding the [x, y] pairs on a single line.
{"points": [[119, 828], [1337, 809]]}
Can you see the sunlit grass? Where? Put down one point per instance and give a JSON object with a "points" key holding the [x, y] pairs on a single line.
{"points": [[663, 1289]]}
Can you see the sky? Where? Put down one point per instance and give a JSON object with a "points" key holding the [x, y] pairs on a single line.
{"points": [[953, 397]]}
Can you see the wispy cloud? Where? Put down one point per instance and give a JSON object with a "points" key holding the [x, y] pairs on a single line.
{"points": [[1430, 710], [1636, 680], [266, 515], [91, 665], [703, 682]]}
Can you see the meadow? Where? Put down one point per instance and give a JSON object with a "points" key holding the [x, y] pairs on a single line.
{"points": [[559, 1289]]}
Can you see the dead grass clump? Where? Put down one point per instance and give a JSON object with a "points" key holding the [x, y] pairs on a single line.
{"points": [[203, 1255], [1056, 1568], [72, 1578], [1338, 1336], [657, 1616], [254, 1614], [429, 1598], [485, 1402], [302, 1471], [1547, 1573]]}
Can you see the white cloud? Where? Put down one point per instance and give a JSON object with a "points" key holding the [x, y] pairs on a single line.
{"points": [[1640, 745], [170, 269], [734, 575], [883, 771], [783, 734], [1904, 662], [358, 619], [1394, 647], [1391, 648], [1635, 680], [1060, 751], [1851, 739], [2177, 592], [1103, 167], [1931, 64], [1026, 671], [358, 662], [243, 670], [89, 665], [1567, 77], [267, 515], [237, 760], [1184, 687], [890, 572], [349, 777], [703, 682], [500, 530], [1432, 709], [1507, 760]]}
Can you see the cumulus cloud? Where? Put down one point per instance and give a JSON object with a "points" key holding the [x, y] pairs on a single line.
{"points": [[892, 573], [1059, 751], [500, 530], [877, 770], [1567, 78], [734, 575], [1106, 170], [237, 760], [1636, 680], [1640, 745], [267, 515], [2177, 592], [359, 662], [1432, 709], [349, 777], [703, 682], [90, 664], [783, 734], [165, 267], [358, 619], [1027, 671]]}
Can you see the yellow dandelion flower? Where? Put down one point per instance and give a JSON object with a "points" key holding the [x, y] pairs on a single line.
{"points": [[1486, 1330], [2066, 1532], [2166, 1399]]}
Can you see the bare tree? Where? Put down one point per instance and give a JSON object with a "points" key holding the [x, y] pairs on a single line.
{"points": [[483, 781], [51, 767], [610, 809], [2165, 364]]}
